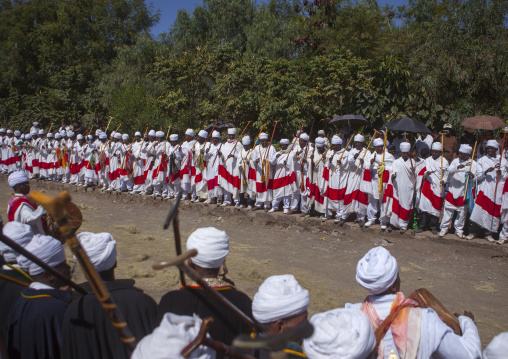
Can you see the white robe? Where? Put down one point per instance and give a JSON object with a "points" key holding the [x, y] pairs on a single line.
{"points": [[264, 193], [403, 192], [229, 174], [431, 200], [337, 182], [355, 199]]}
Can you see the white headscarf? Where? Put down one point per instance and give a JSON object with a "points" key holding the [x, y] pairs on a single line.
{"points": [[284, 141], [203, 134], [497, 348], [492, 143], [340, 334], [16, 178], [336, 140], [232, 131], [246, 140], [212, 246], [465, 149], [320, 142], [125, 136], [304, 136], [151, 133], [47, 249], [279, 297], [20, 233], [359, 138], [137, 134], [263, 136], [100, 248], [436, 146], [377, 270], [377, 142], [173, 334], [215, 134], [173, 137], [405, 147], [189, 132]]}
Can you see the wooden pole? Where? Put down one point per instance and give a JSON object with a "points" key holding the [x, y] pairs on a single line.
{"points": [[342, 154], [110, 118], [471, 165], [442, 152]]}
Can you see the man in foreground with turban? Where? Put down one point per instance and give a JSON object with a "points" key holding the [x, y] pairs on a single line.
{"points": [[19, 208], [413, 332], [35, 321], [212, 246], [279, 305], [87, 330], [341, 334], [22, 234]]}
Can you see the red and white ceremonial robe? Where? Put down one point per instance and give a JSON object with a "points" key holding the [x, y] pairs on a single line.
{"points": [[75, 163], [21, 210], [176, 169], [356, 198], [160, 169], [337, 182], [229, 173], [301, 168], [432, 197], [403, 192], [487, 209], [262, 160], [198, 178], [187, 167], [318, 178], [149, 166], [212, 170], [375, 199], [284, 179], [138, 163]]}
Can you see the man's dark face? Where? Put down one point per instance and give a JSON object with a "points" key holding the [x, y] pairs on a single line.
{"points": [[489, 135], [151, 138], [34, 137], [391, 150], [231, 137], [138, 138], [379, 149], [126, 142], [247, 147], [463, 156], [159, 139], [81, 142], [201, 140], [337, 147], [188, 138], [359, 145], [174, 143], [103, 140], [414, 154], [284, 147], [491, 151], [404, 155], [435, 154], [264, 142], [23, 188], [65, 269], [321, 149], [302, 143], [215, 140]]}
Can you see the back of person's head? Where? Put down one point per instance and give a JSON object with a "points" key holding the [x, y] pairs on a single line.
{"points": [[212, 245], [20, 233], [377, 271], [100, 248]]}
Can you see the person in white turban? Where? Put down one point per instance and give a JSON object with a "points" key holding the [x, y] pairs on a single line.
{"points": [[212, 245], [433, 189], [497, 348], [35, 321], [229, 174], [281, 304], [169, 339], [318, 179], [321, 134], [248, 190], [187, 168], [261, 161], [199, 179], [486, 215], [138, 158], [21, 234], [338, 176], [377, 272], [340, 334], [19, 208], [301, 152], [9, 153], [212, 155], [80, 340], [284, 184], [458, 171]]}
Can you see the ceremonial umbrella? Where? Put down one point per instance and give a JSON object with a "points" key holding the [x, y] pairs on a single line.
{"points": [[356, 120], [483, 122], [220, 126], [407, 125]]}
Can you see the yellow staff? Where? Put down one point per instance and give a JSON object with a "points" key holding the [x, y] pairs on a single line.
{"points": [[110, 118]]}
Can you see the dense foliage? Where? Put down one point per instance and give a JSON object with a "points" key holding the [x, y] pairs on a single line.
{"points": [[293, 62]]}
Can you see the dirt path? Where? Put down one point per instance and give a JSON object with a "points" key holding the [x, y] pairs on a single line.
{"points": [[461, 274]]}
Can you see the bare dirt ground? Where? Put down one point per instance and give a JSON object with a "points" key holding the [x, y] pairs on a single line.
{"points": [[463, 275]]}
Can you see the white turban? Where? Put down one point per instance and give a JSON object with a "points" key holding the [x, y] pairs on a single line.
{"points": [[284, 141], [103, 136], [63, 133], [492, 143], [151, 133], [98, 132], [17, 133], [47, 249], [41, 132], [57, 136], [90, 137], [137, 133], [159, 134], [2, 130], [32, 132], [70, 134], [321, 133], [405, 147], [189, 132], [378, 142], [498, 347], [20, 233], [263, 136], [10, 131], [304, 136], [16, 178], [320, 142], [100, 247], [340, 333], [232, 131], [212, 246], [215, 134], [125, 136], [377, 270], [279, 297], [79, 137], [50, 135], [359, 138], [246, 140], [465, 149], [203, 134], [36, 123], [173, 137], [436, 146], [112, 134], [173, 334], [67, 128], [336, 140], [118, 135], [22, 137]]}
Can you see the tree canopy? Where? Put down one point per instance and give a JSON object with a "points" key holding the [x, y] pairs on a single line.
{"points": [[289, 61]]}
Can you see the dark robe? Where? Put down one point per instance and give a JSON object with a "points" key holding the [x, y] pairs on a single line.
{"points": [[292, 351], [88, 332], [192, 300], [35, 324], [9, 294]]}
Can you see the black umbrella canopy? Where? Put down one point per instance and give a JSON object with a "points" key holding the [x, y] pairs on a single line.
{"points": [[221, 126], [355, 120], [407, 125]]}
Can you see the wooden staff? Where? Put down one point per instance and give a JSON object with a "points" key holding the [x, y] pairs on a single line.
{"points": [[499, 167], [173, 217], [110, 118], [266, 155], [323, 156], [292, 146], [118, 127], [213, 128], [363, 157], [442, 153], [471, 165], [241, 134], [14, 280], [340, 158], [55, 207], [21, 250], [254, 143]]}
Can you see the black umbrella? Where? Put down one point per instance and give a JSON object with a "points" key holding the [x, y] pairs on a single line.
{"points": [[355, 120], [407, 125], [221, 126]]}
